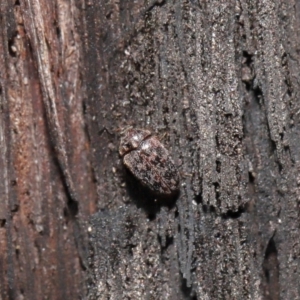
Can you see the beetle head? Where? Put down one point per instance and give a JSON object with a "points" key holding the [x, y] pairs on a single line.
{"points": [[131, 139]]}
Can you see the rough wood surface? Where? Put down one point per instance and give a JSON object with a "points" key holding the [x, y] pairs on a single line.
{"points": [[218, 81]]}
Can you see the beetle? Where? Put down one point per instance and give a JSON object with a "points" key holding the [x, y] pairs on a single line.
{"points": [[149, 161]]}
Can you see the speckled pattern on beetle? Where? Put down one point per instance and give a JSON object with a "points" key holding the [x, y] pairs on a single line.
{"points": [[149, 161]]}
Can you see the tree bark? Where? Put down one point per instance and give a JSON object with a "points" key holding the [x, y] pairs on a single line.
{"points": [[217, 81]]}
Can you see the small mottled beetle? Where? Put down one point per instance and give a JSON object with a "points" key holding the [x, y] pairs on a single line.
{"points": [[149, 161]]}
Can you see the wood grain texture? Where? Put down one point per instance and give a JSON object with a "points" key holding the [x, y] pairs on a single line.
{"points": [[216, 77], [45, 152], [217, 81]]}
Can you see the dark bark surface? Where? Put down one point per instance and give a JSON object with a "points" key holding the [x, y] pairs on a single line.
{"points": [[217, 81]]}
